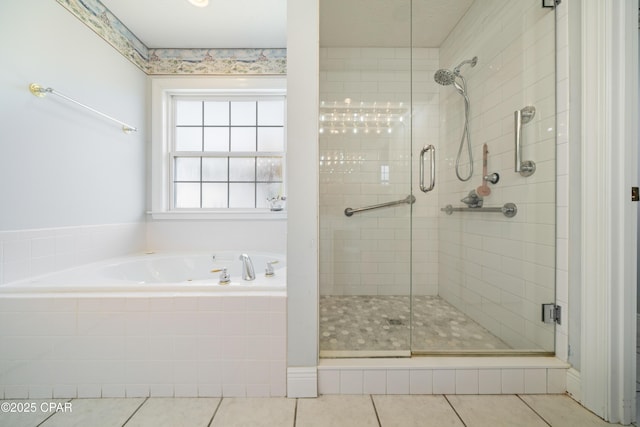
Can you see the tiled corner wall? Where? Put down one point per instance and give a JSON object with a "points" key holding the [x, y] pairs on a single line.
{"points": [[500, 270], [25, 253], [369, 253], [138, 346], [519, 375]]}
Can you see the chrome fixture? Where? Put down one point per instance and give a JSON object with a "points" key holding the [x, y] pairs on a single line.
{"points": [[522, 117], [411, 199], [225, 278], [247, 268], [432, 161], [508, 209], [492, 178], [473, 200], [447, 77], [269, 270], [41, 92]]}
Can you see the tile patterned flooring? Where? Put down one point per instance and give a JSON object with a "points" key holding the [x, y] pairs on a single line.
{"points": [[382, 323], [325, 411]]}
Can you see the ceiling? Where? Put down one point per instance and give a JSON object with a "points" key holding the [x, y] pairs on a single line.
{"points": [[263, 23], [387, 23]]}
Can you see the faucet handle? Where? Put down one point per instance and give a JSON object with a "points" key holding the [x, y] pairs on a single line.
{"points": [[269, 270], [225, 278]]}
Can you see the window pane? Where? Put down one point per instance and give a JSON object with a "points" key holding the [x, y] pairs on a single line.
{"points": [[214, 169], [188, 113], [216, 139], [269, 169], [270, 139], [271, 113], [187, 195], [216, 113], [214, 195], [243, 139], [242, 169], [267, 191], [242, 195], [243, 113], [189, 139], [187, 169]]}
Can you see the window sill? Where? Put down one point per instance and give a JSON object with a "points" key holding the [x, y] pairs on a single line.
{"points": [[233, 215]]}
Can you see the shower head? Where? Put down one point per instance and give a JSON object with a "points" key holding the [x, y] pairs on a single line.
{"points": [[446, 77]]}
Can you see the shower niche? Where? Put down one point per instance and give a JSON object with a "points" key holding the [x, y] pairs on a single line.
{"points": [[465, 267]]}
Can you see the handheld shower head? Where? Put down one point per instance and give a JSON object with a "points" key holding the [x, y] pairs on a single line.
{"points": [[447, 77], [444, 77]]}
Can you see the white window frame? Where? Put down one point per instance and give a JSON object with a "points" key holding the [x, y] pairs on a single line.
{"points": [[162, 91]]}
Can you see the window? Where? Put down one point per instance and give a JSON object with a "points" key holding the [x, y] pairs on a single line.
{"points": [[226, 152], [223, 150]]}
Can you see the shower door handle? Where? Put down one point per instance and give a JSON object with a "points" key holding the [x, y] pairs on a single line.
{"points": [[432, 162], [524, 116]]}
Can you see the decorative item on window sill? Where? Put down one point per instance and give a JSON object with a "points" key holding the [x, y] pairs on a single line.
{"points": [[41, 92], [276, 203], [342, 117]]}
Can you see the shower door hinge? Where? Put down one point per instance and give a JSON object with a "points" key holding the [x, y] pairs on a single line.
{"points": [[635, 194], [551, 313], [550, 3]]}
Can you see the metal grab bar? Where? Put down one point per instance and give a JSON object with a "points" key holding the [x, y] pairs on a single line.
{"points": [[508, 209], [410, 199], [524, 116], [432, 163], [40, 92]]}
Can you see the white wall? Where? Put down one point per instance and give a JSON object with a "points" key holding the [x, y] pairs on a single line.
{"points": [[495, 269], [72, 183], [62, 165], [302, 200]]}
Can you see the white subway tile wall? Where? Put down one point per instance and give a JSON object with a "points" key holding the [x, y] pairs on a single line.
{"points": [[369, 253], [207, 346], [498, 270]]}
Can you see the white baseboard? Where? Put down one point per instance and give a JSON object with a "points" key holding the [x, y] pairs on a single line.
{"points": [[573, 384], [302, 382]]}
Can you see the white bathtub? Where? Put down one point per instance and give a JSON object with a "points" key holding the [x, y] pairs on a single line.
{"points": [[146, 325], [160, 273]]}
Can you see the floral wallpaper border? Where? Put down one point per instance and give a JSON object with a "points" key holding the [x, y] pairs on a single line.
{"points": [[174, 61]]}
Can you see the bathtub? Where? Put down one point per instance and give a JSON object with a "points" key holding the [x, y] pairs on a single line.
{"points": [[146, 325], [160, 273]]}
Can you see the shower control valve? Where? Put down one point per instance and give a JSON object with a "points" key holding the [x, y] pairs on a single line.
{"points": [[269, 270], [492, 178]]}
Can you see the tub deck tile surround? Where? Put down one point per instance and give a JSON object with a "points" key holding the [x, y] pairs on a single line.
{"points": [[178, 346]]}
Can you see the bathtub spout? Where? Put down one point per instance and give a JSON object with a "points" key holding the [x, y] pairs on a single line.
{"points": [[247, 268]]}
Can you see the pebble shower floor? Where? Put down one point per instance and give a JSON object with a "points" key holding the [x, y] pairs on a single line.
{"points": [[382, 323]]}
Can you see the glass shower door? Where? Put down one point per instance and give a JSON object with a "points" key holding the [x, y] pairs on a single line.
{"points": [[484, 249], [365, 179]]}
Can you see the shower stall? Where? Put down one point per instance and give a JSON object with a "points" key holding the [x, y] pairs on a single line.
{"points": [[437, 178]]}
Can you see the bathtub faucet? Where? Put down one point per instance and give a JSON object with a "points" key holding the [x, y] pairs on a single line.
{"points": [[247, 268]]}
